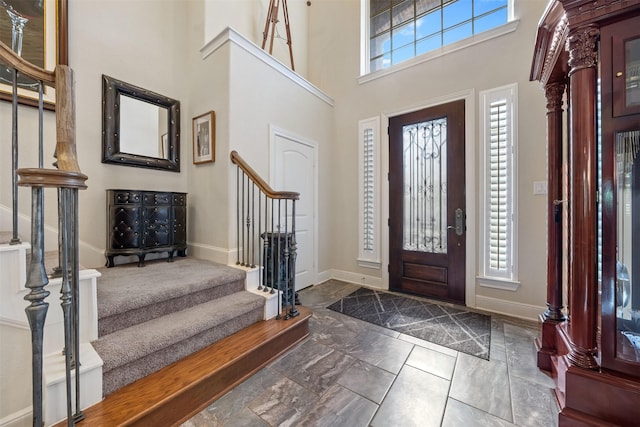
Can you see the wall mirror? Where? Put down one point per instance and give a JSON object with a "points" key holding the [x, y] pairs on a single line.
{"points": [[139, 127]]}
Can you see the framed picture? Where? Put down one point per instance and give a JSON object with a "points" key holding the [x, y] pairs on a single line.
{"points": [[44, 43], [164, 145], [204, 138]]}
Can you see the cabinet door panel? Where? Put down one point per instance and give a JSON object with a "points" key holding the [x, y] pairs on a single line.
{"points": [[180, 225], [157, 226], [125, 231]]}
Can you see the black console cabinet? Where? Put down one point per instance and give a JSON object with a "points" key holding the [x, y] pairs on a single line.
{"points": [[141, 222]]}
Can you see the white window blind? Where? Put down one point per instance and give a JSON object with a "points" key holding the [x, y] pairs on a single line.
{"points": [[499, 211], [369, 172]]}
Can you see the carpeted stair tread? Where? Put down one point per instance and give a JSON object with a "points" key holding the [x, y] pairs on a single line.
{"points": [[127, 345], [129, 295]]}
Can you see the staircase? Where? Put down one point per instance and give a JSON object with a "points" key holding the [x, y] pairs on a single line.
{"points": [[151, 317], [160, 342]]}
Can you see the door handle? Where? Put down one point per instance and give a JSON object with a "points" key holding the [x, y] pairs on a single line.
{"points": [[459, 221]]}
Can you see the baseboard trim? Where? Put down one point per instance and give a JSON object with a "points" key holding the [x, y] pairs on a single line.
{"points": [[18, 418], [212, 253], [509, 308], [350, 277]]}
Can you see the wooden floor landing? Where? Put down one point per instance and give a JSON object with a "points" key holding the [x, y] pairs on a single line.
{"points": [[184, 388]]}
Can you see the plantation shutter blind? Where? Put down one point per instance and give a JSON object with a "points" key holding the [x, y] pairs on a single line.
{"points": [[369, 203], [499, 205]]}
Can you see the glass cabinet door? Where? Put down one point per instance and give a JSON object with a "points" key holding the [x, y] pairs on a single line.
{"points": [[627, 290], [619, 172], [626, 74]]}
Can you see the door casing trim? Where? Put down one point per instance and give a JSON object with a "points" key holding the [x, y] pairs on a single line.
{"points": [[469, 181]]}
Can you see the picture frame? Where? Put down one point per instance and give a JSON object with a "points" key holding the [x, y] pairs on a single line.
{"points": [[204, 138], [164, 144], [45, 44]]}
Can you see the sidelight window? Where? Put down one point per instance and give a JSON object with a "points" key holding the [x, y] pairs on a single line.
{"points": [[369, 165], [499, 254]]}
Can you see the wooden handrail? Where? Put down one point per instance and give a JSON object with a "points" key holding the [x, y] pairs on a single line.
{"points": [[266, 188], [9, 57]]}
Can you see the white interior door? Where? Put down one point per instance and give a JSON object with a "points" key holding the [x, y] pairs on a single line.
{"points": [[293, 168]]}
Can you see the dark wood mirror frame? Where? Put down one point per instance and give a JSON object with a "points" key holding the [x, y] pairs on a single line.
{"points": [[112, 89]]}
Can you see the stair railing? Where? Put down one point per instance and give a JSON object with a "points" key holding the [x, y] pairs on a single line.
{"points": [[67, 179], [267, 215]]}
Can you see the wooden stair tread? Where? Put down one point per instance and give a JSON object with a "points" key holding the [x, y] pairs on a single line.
{"points": [[179, 391]]}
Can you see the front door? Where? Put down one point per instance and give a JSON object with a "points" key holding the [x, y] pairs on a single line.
{"points": [[427, 202]]}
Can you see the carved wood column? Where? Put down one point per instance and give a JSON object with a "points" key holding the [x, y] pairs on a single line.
{"points": [[583, 301], [553, 93], [547, 346]]}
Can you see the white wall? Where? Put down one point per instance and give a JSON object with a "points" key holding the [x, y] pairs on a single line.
{"points": [[334, 66], [248, 17]]}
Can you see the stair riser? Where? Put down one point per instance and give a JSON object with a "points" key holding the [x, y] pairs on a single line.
{"points": [[126, 374], [120, 321]]}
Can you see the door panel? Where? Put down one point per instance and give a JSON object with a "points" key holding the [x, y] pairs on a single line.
{"points": [[427, 202], [294, 170]]}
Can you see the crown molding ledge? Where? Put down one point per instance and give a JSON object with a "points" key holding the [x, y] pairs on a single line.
{"points": [[229, 35]]}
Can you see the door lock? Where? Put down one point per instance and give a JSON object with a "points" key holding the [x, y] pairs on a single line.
{"points": [[459, 221]]}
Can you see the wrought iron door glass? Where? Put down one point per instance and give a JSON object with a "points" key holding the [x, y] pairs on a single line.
{"points": [[425, 186]]}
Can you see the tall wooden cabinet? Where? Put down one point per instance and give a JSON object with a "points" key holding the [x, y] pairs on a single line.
{"points": [[587, 57]]}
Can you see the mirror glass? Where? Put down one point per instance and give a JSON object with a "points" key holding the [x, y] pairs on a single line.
{"points": [[142, 122], [140, 128]]}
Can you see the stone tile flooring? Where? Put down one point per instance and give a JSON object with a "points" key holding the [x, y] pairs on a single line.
{"points": [[445, 324], [352, 373]]}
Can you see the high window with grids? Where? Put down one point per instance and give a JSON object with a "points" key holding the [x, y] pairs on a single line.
{"points": [[499, 243], [402, 29]]}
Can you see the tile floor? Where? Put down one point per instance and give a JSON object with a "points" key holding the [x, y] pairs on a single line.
{"points": [[352, 373]]}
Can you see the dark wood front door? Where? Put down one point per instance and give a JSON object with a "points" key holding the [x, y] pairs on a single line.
{"points": [[427, 219]]}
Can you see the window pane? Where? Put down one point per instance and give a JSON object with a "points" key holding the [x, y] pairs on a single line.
{"points": [[395, 23], [457, 33], [423, 6], [380, 62], [483, 6], [457, 12], [377, 6], [429, 24], [380, 23], [490, 21], [428, 44], [380, 44], [403, 35], [403, 53], [402, 12]]}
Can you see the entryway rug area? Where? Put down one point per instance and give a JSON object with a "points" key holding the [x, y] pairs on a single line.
{"points": [[457, 329]]}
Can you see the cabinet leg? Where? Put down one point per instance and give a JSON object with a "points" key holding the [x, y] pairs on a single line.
{"points": [[141, 260], [109, 263], [170, 255]]}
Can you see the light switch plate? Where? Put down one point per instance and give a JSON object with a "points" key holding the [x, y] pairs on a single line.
{"points": [[539, 187]]}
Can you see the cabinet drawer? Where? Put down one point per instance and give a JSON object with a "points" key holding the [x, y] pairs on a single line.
{"points": [[157, 199], [126, 197]]}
